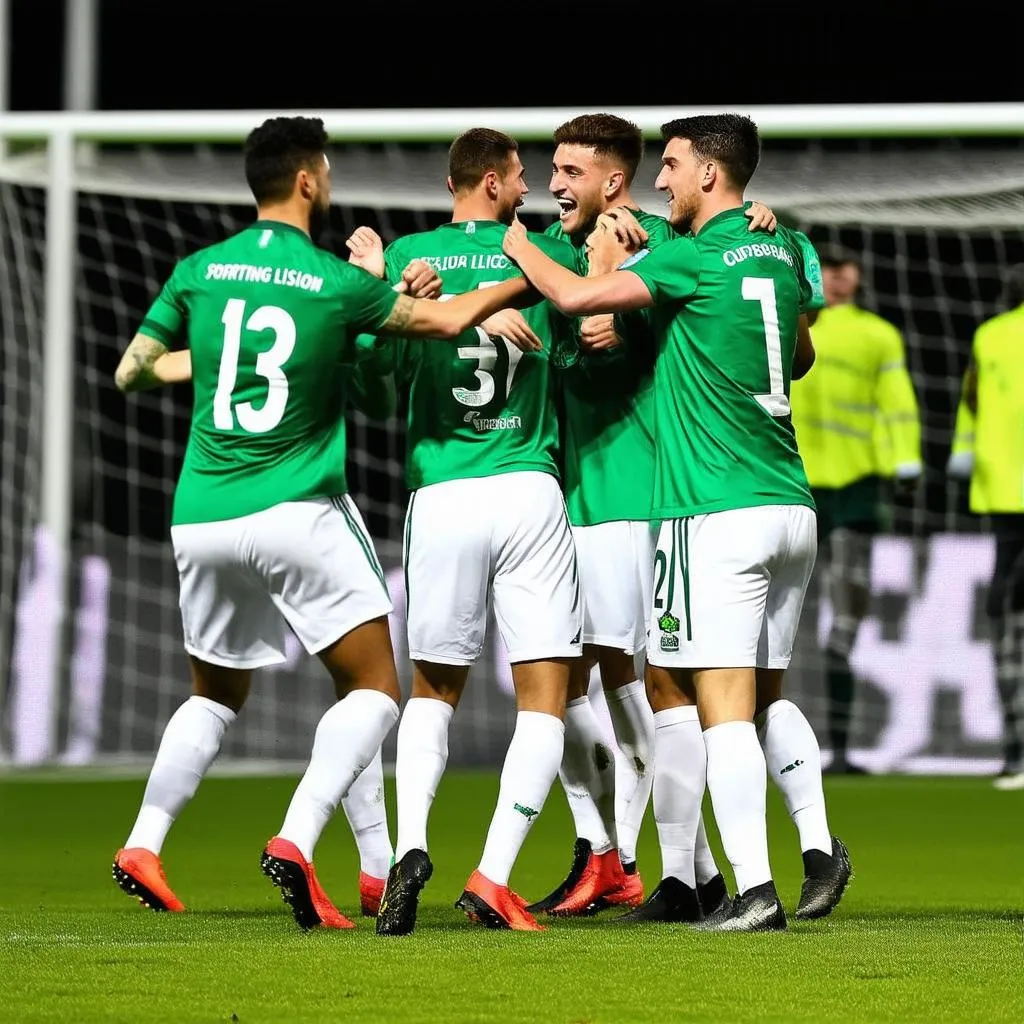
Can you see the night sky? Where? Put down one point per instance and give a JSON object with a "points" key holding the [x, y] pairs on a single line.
{"points": [[224, 54]]}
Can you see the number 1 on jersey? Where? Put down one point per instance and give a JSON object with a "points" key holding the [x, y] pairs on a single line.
{"points": [[762, 290]]}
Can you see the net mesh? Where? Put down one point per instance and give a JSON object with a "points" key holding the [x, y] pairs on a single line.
{"points": [[937, 225]]}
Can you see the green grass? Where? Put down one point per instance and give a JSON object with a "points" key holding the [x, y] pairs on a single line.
{"points": [[930, 930]]}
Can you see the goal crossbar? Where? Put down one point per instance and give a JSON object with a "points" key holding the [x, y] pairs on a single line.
{"points": [[778, 121]]}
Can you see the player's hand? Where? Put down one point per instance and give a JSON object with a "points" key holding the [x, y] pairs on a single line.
{"points": [[511, 324], [421, 280], [626, 227], [366, 250], [515, 239], [597, 333], [761, 217], [605, 249]]}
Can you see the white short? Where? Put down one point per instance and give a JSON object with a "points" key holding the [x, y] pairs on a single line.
{"points": [[616, 569], [504, 539], [729, 587], [307, 565]]}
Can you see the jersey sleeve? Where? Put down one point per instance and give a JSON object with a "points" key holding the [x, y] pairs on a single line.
{"points": [[367, 301], [167, 318], [671, 271], [812, 291]]}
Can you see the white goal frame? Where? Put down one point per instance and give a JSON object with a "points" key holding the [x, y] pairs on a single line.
{"points": [[64, 132]]}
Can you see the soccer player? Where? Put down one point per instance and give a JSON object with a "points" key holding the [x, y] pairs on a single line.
{"points": [[989, 449], [608, 413], [737, 538], [264, 535], [857, 425], [486, 522]]}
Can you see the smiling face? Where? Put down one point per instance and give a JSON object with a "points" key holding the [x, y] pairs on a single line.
{"points": [[580, 182], [682, 178]]}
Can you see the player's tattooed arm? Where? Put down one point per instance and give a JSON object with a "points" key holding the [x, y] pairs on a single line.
{"points": [[425, 318], [146, 364]]}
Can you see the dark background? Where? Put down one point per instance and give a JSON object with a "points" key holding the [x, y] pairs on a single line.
{"points": [[223, 54]]}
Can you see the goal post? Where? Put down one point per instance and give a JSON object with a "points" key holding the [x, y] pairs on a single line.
{"points": [[933, 194]]}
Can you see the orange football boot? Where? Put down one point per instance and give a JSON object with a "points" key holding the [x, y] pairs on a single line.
{"points": [[496, 906], [602, 884], [283, 863], [371, 890], [139, 873]]}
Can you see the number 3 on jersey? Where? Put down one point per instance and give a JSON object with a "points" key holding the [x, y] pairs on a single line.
{"points": [[486, 356], [251, 418], [762, 290]]}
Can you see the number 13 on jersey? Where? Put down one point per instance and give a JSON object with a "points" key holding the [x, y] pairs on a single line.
{"points": [[251, 418]]}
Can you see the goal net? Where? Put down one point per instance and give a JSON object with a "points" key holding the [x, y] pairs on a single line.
{"points": [[936, 222]]}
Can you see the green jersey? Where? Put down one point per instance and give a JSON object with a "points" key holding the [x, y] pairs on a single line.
{"points": [[478, 406], [608, 411], [272, 323], [727, 304]]}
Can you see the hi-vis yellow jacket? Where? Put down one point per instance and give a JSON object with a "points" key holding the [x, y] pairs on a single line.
{"points": [[989, 444], [855, 414]]}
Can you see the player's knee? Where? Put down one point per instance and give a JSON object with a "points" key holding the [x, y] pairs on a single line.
{"points": [[439, 682], [227, 686]]}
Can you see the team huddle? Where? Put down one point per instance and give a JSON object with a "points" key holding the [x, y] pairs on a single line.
{"points": [[599, 446]]}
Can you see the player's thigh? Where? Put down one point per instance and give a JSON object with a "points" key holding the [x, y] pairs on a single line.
{"points": [[228, 618], [447, 553], [710, 589], [614, 559], [536, 586], [319, 567], [790, 572]]}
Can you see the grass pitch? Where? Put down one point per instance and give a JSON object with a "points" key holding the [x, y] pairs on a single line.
{"points": [[931, 928]]}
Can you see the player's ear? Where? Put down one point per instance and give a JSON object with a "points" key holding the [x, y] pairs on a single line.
{"points": [[304, 181], [614, 184], [491, 184], [709, 175], [451, 187]]}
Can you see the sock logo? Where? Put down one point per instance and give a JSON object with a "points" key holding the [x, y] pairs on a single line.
{"points": [[527, 812], [790, 767]]}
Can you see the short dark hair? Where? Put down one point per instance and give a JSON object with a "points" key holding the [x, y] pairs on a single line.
{"points": [[1013, 287], [607, 135], [277, 150], [832, 254], [730, 139], [476, 152]]}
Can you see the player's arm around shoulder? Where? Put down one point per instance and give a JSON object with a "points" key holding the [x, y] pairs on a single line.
{"points": [[557, 282]]}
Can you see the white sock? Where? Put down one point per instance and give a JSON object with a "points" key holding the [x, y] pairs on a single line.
{"points": [[419, 764], [347, 739], [633, 723], [191, 741], [794, 762], [531, 765], [368, 818], [738, 782], [680, 762], [704, 864], [588, 775]]}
